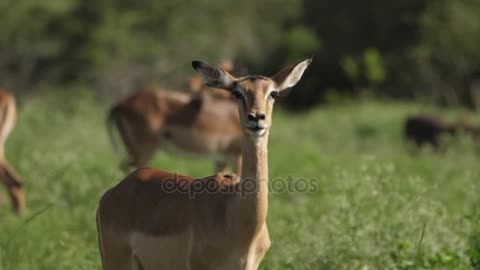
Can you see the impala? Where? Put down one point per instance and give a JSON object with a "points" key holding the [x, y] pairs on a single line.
{"points": [[428, 129], [177, 122], [153, 220], [11, 179]]}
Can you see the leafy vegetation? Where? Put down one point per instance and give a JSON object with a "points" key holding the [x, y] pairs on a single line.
{"points": [[376, 204], [400, 48]]}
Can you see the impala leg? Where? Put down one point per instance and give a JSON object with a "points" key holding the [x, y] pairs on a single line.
{"points": [[14, 185], [141, 144], [116, 254], [197, 262], [262, 244], [141, 152], [145, 152], [117, 258], [220, 166], [127, 166], [237, 164]]}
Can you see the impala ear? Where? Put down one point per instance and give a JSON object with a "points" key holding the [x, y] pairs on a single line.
{"points": [[291, 75], [213, 76]]}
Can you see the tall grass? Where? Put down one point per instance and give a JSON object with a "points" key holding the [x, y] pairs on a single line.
{"points": [[375, 203]]}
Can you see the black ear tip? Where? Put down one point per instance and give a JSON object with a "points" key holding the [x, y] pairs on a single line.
{"points": [[196, 64]]}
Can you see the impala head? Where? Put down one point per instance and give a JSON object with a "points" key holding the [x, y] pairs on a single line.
{"points": [[255, 94]]}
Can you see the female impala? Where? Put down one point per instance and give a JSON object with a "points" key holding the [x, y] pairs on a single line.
{"points": [[177, 122], [162, 220], [13, 182]]}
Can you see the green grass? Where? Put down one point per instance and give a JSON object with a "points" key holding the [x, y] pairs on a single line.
{"points": [[376, 205]]}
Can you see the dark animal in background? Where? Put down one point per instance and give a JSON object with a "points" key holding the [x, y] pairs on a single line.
{"points": [[428, 129]]}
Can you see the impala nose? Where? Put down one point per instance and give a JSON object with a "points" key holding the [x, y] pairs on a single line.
{"points": [[256, 117]]}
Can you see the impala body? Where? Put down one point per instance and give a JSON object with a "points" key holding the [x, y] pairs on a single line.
{"points": [[428, 129], [178, 123], [162, 220], [8, 175]]}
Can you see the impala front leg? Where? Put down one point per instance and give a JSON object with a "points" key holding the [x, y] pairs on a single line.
{"points": [[237, 164], [259, 249], [220, 166], [14, 185]]}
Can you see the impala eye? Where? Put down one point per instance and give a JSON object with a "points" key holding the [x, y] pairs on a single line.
{"points": [[274, 94], [237, 94]]}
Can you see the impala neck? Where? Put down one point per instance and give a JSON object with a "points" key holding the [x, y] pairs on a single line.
{"points": [[254, 179]]}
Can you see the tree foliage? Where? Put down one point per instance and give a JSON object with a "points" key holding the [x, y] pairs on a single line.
{"points": [[399, 48]]}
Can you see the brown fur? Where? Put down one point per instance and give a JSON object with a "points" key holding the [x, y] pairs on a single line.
{"points": [[152, 218], [428, 129], [8, 175], [194, 124]]}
